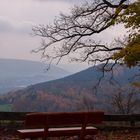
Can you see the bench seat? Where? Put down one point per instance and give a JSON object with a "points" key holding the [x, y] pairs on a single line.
{"points": [[54, 132]]}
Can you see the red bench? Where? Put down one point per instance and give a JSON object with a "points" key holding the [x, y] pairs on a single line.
{"points": [[60, 124]]}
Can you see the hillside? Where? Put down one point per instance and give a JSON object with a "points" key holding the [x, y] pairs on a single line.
{"points": [[71, 93], [16, 74]]}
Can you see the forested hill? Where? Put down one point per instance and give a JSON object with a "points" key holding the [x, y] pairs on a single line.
{"points": [[72, 92]]}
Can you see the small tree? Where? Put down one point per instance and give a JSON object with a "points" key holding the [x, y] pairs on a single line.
{"points": [[125, 101], [130, 53]]}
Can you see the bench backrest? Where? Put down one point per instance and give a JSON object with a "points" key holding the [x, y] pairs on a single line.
{"points": [[62, 118]]}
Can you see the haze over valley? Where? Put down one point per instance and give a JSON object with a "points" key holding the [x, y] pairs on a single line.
{"points": [[16, 74]]}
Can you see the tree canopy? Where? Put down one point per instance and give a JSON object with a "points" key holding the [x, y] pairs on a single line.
{"points": [[131, 19], [73, 35]]}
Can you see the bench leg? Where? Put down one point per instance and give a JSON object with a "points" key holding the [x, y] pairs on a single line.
{"points": [[44, 138]]}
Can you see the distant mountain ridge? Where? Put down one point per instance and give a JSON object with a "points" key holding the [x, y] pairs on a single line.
{"points": [[16, 73], [70, 93], [89, 77]]}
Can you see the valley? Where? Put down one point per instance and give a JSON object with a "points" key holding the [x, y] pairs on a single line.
{"points": [[77, 92]]}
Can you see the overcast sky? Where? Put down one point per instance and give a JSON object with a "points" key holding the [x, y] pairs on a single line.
{"points": [[17, 18]]}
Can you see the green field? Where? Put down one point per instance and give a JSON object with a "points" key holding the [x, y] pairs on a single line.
{"points": [[6, 107]]}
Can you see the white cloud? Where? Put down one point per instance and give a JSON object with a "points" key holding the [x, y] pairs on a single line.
{"points": [[16, 20]]}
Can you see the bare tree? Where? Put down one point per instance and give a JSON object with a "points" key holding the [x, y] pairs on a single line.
{"points": [[86, 102], [126, 101], [74, 34]]}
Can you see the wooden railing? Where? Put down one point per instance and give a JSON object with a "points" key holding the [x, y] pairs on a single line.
{"points": [[132, 119]]}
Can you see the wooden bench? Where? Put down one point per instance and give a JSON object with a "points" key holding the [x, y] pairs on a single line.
{"points": [[60, 124]]}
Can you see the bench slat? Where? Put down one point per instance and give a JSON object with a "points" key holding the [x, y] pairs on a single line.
{"points": [[53, 132], [30, 133]]}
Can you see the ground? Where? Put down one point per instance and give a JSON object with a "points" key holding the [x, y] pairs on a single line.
{"points": [[103, 135]]}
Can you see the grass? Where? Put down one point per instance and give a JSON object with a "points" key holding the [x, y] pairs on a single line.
{"points": [[6, 108]]}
